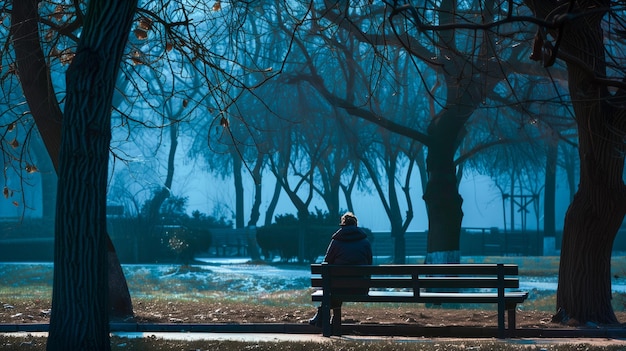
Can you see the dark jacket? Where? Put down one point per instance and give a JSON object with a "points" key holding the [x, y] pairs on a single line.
{"points": [[349, 245]]}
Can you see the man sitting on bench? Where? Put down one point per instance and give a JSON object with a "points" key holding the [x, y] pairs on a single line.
{"points": [[349, 245]]}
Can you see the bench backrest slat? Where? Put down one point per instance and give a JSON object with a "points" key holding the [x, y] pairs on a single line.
{"points": [[422, 269], [423, 282]]}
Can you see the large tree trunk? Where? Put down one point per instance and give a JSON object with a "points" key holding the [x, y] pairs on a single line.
{"points": [[443, 205], [37, 87], [446, 131], [584, 287], [442, 198], [598, 208], [594, 216], [80, 301]]}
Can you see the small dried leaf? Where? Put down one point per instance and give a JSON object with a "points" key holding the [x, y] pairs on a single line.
{"points": [[6, 192], [217, 6], [140, 34], [145, 23], [14, 143], [224, 122], [31, 169], [16, 204], [59, 12], [168, 46], [67, 56], [136, 57], [11, 127], [185, 103]]}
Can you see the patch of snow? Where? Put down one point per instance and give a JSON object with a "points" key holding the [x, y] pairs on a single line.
{"points": [[220, 275]]}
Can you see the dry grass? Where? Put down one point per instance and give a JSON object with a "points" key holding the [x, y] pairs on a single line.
{"points": [[28, 295], [154, 344]]}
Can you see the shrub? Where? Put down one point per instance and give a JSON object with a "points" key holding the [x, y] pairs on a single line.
{"points": [[174, 237], [293, 238]]}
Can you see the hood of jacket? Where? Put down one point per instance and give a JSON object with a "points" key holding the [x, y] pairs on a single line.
{"points": [[349, 233]]}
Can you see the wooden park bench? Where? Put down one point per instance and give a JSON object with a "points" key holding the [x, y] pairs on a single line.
{"points": [[418, 283], [227, 242]]}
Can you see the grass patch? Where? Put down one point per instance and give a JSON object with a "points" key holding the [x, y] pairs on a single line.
{"points": [[281, 298], [197, 283]]}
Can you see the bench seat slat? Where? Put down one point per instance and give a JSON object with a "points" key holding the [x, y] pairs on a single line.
{"points": [[430, 297], [424, 282]]}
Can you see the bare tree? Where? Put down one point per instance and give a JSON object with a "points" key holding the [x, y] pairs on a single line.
{"points": [[471, 72], [473, 68], [238, 138], [524, 156], [166, 96]]}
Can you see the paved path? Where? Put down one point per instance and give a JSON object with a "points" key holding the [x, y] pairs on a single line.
{"points": [[359, 333], [278, 337], [245, 337]]}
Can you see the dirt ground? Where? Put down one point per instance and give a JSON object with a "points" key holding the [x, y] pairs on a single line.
{"points": [[149, 311]]}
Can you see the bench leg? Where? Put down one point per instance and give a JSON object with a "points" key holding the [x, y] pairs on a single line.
{"points": [[511, 315], [336, 321], [501, 326], [325, 316]]}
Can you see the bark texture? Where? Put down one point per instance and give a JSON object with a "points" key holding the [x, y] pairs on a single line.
{"points": [[595, 215], [599, 205], [442, 198], [37, 87], [80, 301]]}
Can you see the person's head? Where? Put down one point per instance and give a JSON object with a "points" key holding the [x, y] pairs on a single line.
{"points": [[348, 219]]}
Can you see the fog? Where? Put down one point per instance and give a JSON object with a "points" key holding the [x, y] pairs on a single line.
{"points": [[482, 205]]}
